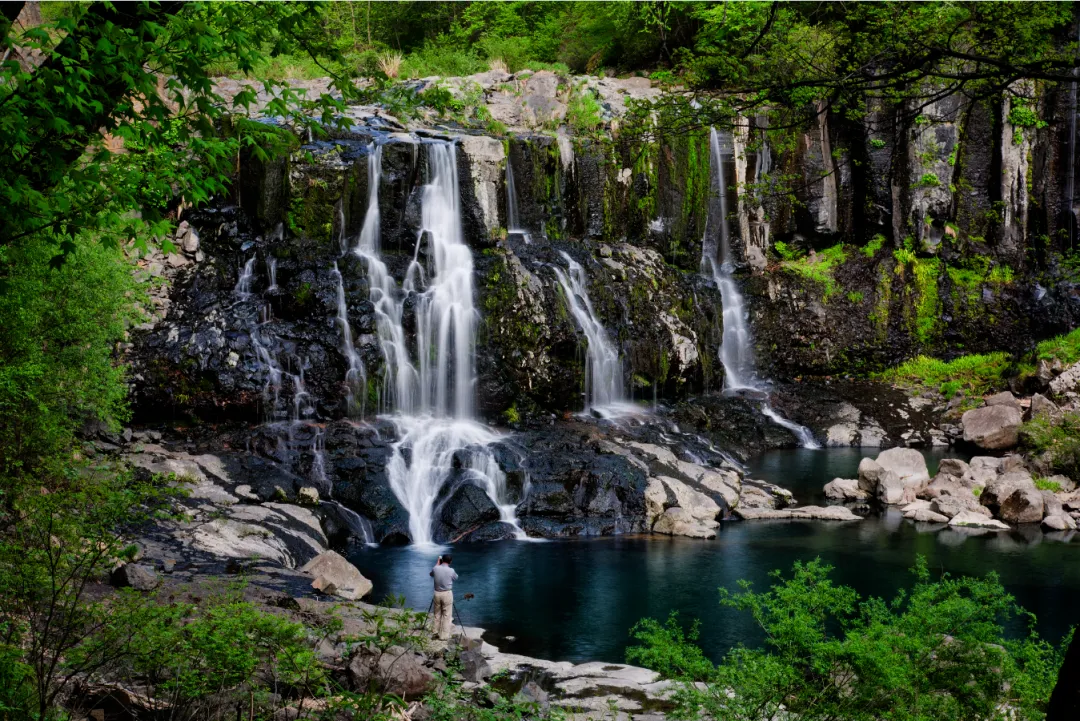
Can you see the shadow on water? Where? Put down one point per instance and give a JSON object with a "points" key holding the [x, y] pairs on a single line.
{"points": [[576, 600]]}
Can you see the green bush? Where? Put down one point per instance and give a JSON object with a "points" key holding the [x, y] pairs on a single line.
{"points": [[936, 651], [583, 112], [1057, 441], [1065, 348]]}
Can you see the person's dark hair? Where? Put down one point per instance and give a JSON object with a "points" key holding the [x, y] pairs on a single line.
{"points": [[447, 559]]}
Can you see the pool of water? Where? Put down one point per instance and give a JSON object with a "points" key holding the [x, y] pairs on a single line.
{"points": [[577, 600]]}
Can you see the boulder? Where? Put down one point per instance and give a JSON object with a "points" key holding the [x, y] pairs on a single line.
{"points": [[394, 670], [913, 507], [892, 491], [677, 521], [474, 667], [992, 427], [1067, 381], [1024, 505], [845, 489], [1003, 486], [953, 467], [981, 470], [700, 506], [926, 515], [1043, 407], [135, 575], [336, 576], [1059, 522], [907, 463], [817, 513], [308, 496], [869, 475], [970, 519], [656, 500], [951, 506], [944, 485], [1005, 398]]}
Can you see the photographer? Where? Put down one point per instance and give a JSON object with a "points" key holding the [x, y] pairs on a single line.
{"points": [[443, 603]]}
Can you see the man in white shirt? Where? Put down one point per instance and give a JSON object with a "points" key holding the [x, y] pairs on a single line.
{"points": [[443, 604]]}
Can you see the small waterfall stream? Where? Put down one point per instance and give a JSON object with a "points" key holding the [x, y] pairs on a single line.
{"points": [[736, 347], [433, 400], [355, 374], [603, 369], [512, 222]]}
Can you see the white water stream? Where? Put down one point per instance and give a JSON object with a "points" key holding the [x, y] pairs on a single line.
{"points": [[432, 401], [736, 347], [604, 392], [512, 221]]}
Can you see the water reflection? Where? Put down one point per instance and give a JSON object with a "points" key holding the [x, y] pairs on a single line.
{"points": [[577, 600]]}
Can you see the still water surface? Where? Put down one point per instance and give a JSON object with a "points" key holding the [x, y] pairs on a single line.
{"points": [[577, 600]]}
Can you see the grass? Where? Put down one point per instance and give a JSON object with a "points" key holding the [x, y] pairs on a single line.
{"points": [[1066, 348], [583, 112], [1045, 484], [972, 374], [874, 245], [820, 267]]}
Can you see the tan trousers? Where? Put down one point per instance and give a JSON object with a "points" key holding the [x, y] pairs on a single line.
{"points": [[444, 613]]}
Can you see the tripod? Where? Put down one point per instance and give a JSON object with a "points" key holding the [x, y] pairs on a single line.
{"points": [[455, 614]]}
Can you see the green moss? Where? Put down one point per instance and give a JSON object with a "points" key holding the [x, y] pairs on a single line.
{"points": [[855, 296], [928, 304], [819, 268], [879, 316], [874, 245], [511, 415], [1000, 275], [303, 294]]}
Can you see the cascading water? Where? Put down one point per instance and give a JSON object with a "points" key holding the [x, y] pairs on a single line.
{"points": [[271, 271], [433, 399], [736, 350], [512, 222], [399, 377], [247, 276], [603, 369], [355, 374]]}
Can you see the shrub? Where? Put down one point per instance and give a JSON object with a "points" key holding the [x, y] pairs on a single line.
{"points": [[390, 64], [937, 650], [498, 65], [1057, 441], [583, 112]]}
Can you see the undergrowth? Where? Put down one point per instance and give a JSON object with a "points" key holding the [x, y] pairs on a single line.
{"points": [[819, 267], [971, 374], [1056, 440]]}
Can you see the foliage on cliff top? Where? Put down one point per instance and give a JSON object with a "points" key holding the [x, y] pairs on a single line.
{"points": [[1065, 348], [937, 650]]}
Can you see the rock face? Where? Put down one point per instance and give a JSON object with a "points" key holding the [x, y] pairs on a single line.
{"points": [[335, 576], [992, 427], [895, 477]]}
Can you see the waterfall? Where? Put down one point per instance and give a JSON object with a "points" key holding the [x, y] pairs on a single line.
{"points": [[603, 369], [513, 225], [400, 377], [271, 270], [736, 347], [355, 374], [432, 401], [247, 275]]}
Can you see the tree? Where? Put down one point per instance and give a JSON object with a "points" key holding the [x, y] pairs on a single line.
{"points": [[140, 73], [936, 651]]}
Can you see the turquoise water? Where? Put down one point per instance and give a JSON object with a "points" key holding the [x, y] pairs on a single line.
{"points": [[576, 600]]}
